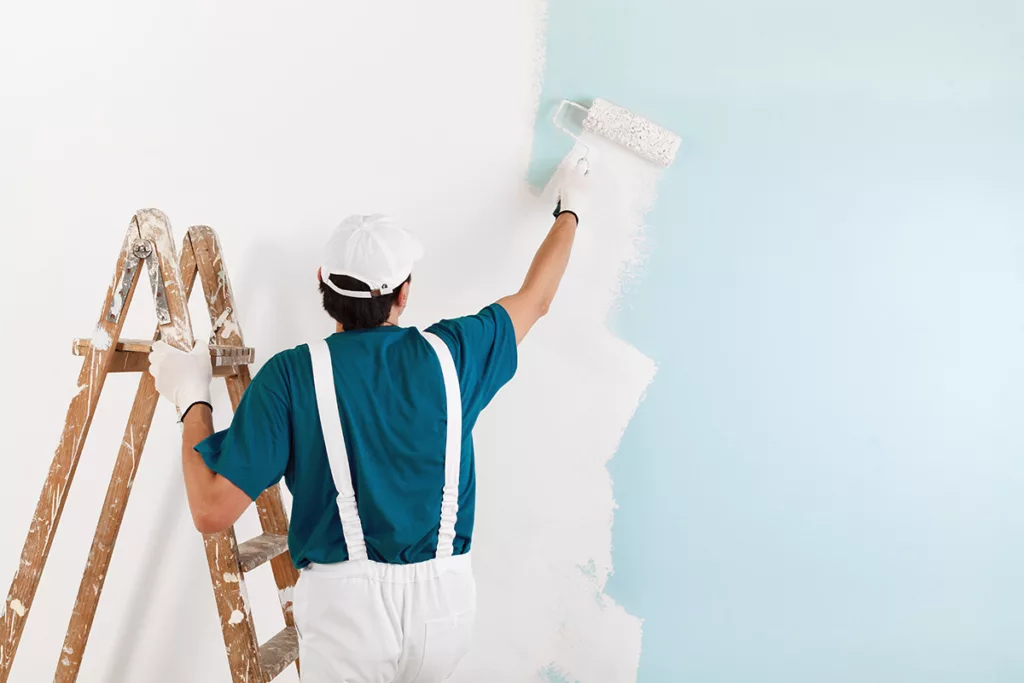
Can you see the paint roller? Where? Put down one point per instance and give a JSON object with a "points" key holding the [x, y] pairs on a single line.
{"points": [[618, 124]]}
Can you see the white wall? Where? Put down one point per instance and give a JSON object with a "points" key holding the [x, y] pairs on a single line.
{"points": [[269, 124]]}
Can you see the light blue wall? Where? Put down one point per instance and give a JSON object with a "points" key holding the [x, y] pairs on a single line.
{"points": [[826, 481]]}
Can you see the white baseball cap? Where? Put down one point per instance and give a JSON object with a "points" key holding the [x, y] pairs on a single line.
{"points": [[373, 250]]}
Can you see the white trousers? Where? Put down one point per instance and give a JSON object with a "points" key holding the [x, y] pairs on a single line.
{"points": [[367, 622]]}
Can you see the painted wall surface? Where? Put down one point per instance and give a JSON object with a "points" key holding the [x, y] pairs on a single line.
{"points": [[825, 481]]}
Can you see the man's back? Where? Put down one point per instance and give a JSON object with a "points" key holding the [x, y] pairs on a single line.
{"points": [[391, 402]]}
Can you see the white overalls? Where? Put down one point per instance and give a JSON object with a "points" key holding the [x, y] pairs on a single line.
{"points": [[362, 621]]}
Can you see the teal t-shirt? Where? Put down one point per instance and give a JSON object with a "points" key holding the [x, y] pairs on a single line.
{"points": [[391, 399]]}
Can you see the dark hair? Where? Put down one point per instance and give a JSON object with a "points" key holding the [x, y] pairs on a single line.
{"points": [[353, 313]]}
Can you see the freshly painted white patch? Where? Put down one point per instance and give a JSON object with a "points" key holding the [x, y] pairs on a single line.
{"points": [[546, 506], [236, 617], [17, 607], [101, 340]]}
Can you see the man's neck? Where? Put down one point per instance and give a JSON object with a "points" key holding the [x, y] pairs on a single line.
{"points": [[391, 322]]}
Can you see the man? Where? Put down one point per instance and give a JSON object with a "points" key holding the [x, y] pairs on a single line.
{"points": [[371, 429]]}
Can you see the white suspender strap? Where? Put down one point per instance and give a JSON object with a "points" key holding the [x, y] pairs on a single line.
{"points": [[453, 446], [337, 455]]}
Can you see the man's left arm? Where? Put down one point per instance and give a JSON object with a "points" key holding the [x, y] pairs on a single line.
{"points": [[214, 501]]}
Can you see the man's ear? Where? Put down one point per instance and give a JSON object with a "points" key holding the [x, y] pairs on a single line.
{"points": [[403, 294], [319, 274]]}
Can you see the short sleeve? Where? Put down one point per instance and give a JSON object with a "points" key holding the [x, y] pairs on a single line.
{"points": [[253, 452], [484, 349]]}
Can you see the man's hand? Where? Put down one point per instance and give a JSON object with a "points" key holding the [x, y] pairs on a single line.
{"points": [[573, 190], [182, 378]]}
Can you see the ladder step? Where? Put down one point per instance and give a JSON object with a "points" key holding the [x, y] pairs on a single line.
{"points": [[263, 548], [132, 355], [278, 652]]}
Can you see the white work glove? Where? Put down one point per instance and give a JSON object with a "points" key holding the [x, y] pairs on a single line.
{"points": [[573, 189], [182, 378]]}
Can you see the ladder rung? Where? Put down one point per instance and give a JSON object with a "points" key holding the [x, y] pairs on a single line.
{"points": [[263, 548], [278, 652], [132, 355]]}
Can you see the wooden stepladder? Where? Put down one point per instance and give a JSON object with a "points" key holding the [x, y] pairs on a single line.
{"points": [[149, 244]]}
